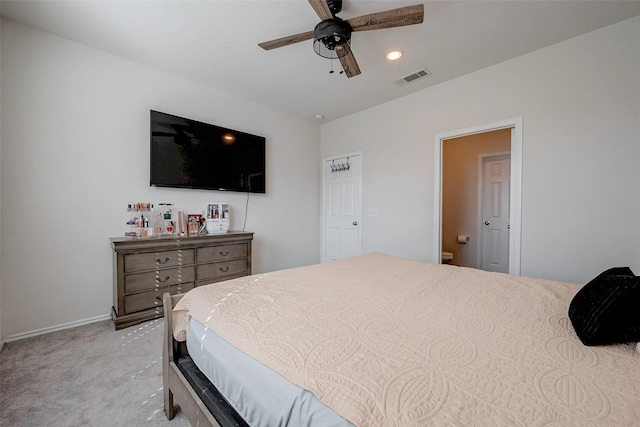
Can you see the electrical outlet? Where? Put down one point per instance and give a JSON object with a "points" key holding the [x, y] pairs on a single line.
{"points": [[373, 212]]}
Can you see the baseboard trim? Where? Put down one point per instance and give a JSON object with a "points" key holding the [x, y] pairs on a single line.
{"points": [[42, 331]]}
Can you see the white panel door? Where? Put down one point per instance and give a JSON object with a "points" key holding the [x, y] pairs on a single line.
{"points": [[495, 214], [341, 207]]}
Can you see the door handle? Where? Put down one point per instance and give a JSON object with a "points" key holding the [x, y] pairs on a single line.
{"points": [[487, 223], [355, 222]]}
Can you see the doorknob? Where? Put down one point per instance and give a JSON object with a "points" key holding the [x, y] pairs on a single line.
{"points": [[355, 223], [487, 223]]}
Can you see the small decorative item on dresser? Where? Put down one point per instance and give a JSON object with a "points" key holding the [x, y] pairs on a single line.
{"points": [[167, 223], [139, 225], [218, 217], [193, 223]]}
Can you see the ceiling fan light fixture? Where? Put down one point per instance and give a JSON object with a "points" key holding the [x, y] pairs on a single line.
{"points": [[332, 38], [394, 54]]}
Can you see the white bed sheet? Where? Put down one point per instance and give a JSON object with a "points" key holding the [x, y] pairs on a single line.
{"points": [[259, 394]]}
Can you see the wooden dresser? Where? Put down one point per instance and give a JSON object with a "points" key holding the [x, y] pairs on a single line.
{"points": [[145, 268]]}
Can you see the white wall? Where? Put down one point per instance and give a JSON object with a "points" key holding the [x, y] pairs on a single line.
{"points": [[75, 151], [580, 101]]}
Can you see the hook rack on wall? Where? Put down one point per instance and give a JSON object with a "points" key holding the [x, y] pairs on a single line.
{"points": [[341, 167]]}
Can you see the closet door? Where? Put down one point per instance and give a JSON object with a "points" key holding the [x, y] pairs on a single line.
{"points": [[342, 207]]}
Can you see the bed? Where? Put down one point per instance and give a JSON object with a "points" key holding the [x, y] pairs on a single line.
{"points": [[377, 340]]}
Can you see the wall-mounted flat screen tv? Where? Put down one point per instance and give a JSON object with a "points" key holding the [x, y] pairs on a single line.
{"points": [[186, 153]]}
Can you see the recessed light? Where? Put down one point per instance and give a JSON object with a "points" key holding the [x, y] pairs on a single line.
{"points": [[394, 54]]}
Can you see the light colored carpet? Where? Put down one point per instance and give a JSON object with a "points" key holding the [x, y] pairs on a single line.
{"points": [[91, 375]]}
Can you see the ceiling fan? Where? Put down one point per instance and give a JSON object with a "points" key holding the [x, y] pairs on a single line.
{"points": [[332, 36]]}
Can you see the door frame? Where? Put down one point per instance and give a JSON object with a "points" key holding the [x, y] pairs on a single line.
{"points": [[323, 230], [515, 202]]}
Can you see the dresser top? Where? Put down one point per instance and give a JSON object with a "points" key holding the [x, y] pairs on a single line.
{"points": [[176, 241]]}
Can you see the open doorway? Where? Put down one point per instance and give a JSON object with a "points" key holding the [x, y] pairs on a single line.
{"points": [[475, 200], [514, 129]]}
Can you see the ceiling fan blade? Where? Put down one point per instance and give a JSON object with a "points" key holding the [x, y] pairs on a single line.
{"points": [[388, 19], [349, 65], [286, 41], [321, 8]]}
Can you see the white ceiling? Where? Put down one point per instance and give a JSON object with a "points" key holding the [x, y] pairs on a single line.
{"points": [[215, 43]]}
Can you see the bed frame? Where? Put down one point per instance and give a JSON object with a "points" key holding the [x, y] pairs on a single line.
{"points": [[177, 386]]}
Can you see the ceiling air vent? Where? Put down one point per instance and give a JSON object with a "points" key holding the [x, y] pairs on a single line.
{"points": [[413, 77]]}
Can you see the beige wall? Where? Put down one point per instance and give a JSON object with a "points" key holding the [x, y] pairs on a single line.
{"points": [[460, 158]]}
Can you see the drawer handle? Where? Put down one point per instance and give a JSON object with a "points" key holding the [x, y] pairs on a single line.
{"points": [[225, 253], [159, 299], [159, 280], [159, 261], [225, 269]]}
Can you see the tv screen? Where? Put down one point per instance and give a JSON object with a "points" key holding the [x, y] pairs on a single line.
{"points": [[189, 154]]}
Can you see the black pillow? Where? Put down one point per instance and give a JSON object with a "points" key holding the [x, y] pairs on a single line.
{"points": [[607, 309]]}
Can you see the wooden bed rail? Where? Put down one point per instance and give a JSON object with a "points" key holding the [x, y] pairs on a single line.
{"points": [[175, 385]]}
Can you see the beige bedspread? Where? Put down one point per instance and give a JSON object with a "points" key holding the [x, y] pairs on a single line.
{"points": [[386, 341]]}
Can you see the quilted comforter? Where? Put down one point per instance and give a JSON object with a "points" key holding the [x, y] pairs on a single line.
{"points": [[386, 341]]}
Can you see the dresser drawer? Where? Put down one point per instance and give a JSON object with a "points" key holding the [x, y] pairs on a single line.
{"points": [[152, 260], [222, 269], [151, 299], [157, 279], [223, 252]]}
